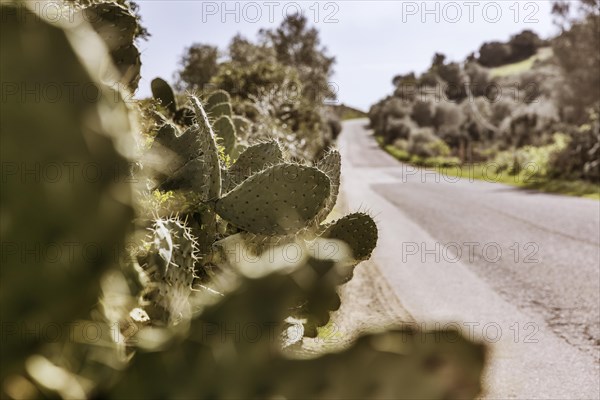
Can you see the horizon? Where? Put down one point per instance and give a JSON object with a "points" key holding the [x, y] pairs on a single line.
{"points": [[361, 77]]}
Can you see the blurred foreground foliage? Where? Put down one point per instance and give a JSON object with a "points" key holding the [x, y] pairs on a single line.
{"points": [[166, 307]]}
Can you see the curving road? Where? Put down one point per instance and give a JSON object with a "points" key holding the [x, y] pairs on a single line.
{"points": [[517, 269]]}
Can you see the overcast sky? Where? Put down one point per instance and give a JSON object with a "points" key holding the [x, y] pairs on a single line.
{"points": [[372, 40]]}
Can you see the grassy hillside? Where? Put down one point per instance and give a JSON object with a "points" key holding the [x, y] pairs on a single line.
{"points": [[345, 112], [543, 53]]}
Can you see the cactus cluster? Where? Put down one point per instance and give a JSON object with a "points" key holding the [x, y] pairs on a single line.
{"points": [[177, 301], [231, 362], [63, 225], [251, 192]]}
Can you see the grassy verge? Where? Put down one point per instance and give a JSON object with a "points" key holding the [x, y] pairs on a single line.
{"points": [[486, 172]]}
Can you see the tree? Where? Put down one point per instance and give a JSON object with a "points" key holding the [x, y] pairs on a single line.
{"points": [[198, 65], [244, 52], [524, 45], [576, 50], [296, 45], [494, 54]]}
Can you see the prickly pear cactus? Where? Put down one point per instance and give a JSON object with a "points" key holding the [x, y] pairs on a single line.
{"points": [[209, 153], [163, 92], [242, 126], [220, 110], [226, 135], [170, 266], [64, 222], [252, 160], [217, 97], [358, 231], [331, 165], [117, 26], [399, 364], [280, 200], [266, 197]]}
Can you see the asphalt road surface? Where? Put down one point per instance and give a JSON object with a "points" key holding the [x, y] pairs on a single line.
{"points": [[517, 269]]}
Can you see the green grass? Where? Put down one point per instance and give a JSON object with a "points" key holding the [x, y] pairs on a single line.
{"points": [[522, 66], [486, 172], [431, 162], [449, 166]]}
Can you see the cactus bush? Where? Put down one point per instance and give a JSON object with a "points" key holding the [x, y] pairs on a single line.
{"points": [[117, 27], [164, 314], [64, 224]]}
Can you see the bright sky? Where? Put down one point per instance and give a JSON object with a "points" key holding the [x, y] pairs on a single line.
{"points": [[372, 40]]}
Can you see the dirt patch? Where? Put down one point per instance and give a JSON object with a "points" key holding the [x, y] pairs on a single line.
{"points": [[368, 305]]}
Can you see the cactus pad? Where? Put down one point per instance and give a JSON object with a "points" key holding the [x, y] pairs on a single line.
{"points": [[117, 26], [208, 152], [170, 267], [217, 97], [331, 165], [254, 159], [162, 91], [171, 151], [225, 132], [220, 110], [280, 200], [242, 126], [358, 230]]}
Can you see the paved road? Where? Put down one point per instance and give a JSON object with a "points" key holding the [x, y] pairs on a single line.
{"points": [[517, 269]]}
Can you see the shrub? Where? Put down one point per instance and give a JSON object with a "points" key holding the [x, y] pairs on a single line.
{"points": [[447, 115], [423, 112], [335, 127], [530, 124], [479, 80], [531, 161], [523, 45], [424, 143], [396, 107], [580, 158], [397, 128], [494, 54]]}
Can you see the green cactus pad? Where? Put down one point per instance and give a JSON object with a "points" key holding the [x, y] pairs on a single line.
{"points": [[162, 91], [208, 151], [225, 132], [113, 22], [170, 267], [217, 97], [280, 200], [397, 364], [358, 230], [49, 216], [168, 130], [117, 26], [252, 160], [242, 126], [171, 151], [220, 110], [331, 165]]}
